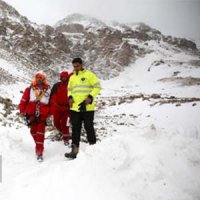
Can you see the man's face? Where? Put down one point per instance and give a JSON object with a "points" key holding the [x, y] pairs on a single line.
{"points": [[77, 67], [64, 79], [39, 80]]}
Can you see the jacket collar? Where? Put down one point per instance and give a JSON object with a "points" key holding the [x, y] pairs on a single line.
{"points": [[80, 72]]}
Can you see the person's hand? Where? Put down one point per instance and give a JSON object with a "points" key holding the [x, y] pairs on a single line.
{"points": [[82, 106], [49, 121], [88, 100], [22, 114], [71, 101]]}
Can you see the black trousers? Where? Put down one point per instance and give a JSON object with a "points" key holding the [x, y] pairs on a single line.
{"points": [[87, 118]]}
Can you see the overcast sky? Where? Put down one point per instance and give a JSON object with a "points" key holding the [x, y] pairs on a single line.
{"points": [[174, 17]]}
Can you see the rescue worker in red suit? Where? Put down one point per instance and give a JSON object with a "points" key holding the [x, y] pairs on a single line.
{"points": [[60, 106], [34, 105]]}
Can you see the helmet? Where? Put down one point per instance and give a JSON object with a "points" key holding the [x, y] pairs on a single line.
{"points": [[41, 75], [64, 74]]}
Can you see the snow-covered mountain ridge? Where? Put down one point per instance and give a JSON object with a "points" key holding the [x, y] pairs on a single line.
{"points": [[106, 48]]}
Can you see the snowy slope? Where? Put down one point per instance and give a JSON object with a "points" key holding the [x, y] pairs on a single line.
{"points": [[14, 76], [145, 77], [146, 150]]}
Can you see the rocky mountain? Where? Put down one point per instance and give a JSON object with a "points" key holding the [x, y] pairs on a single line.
{"points": [[113, 46], [106, 48], [35, 47]]}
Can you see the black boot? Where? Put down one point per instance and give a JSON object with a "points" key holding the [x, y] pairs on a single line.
{"points": [[39, 158], [73, 152]]}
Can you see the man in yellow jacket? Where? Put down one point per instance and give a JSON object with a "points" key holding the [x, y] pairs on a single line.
{"points": [[83, 87]]}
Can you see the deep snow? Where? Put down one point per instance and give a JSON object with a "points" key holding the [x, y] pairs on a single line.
{"points": [[146, 152]]}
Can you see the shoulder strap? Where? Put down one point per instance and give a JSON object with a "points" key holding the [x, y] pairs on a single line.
{"points": [[54, 88]]}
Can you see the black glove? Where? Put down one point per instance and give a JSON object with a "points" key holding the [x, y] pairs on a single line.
{"points": [[82, 106], [27, 120]]}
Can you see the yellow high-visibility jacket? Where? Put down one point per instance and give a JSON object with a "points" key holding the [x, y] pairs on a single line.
{"points": [[81, 85]]}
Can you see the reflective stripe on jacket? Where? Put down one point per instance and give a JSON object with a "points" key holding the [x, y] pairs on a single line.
{"points": [[81, 85]]}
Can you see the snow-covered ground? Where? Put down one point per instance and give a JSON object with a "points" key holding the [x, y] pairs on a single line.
{"points": [[146, 152]]}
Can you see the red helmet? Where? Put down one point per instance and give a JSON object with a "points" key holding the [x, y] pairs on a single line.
{"points": [[64, 74]]}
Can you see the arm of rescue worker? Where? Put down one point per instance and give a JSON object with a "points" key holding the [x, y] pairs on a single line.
{"points": [[69, 87], [89, 99], [95, 83], [53, 98], [70, 101], [52, 102], [23, 102]]}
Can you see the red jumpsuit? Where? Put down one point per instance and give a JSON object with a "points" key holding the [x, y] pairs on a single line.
{"points": [[60, 107], [37, 112]]}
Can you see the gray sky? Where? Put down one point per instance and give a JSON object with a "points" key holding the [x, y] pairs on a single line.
{"points": [[174, 17]]}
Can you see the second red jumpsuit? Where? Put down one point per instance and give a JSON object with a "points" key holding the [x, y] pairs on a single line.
{"points": [[60, 106]]}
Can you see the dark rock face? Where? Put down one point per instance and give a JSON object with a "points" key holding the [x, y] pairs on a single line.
{"points": [[180, 42], [40, 46], [23, 39], [71, 28], [99, 47]]}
